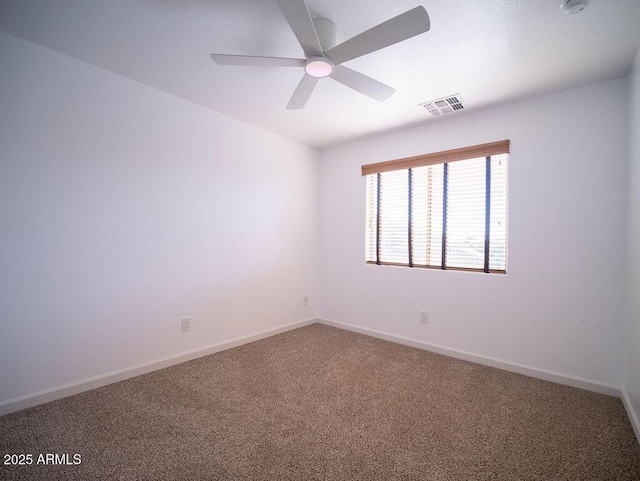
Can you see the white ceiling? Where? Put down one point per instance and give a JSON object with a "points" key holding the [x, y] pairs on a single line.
{"points": [[491, 52]]}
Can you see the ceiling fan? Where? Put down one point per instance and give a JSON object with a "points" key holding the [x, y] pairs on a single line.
{"points": [[323, 58]]}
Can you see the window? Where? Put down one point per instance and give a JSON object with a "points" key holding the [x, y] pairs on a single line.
{"points": [[446, 210]]}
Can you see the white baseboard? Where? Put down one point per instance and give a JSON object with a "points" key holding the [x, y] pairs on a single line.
{"points": [[487, 361], [70, 389], [40, 397], [633, 415]]}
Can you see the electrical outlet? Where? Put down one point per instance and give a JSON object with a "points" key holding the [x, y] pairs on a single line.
{"points": [[305, 301], [186, 324], [424, 317]]}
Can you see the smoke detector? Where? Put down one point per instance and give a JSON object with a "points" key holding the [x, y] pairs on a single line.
{"points": [[571, 7], [445, 105]]}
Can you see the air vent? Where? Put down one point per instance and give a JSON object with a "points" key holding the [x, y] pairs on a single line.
{"points": [[444, 105]]}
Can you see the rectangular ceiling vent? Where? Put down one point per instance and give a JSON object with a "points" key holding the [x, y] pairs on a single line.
{"points": [[445, 105]]}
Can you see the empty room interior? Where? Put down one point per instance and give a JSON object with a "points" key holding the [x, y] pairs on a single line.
{"points": [[320, 239]]}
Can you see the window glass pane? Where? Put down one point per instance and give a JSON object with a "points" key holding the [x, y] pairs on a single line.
{"points": [[498, 229], [372, 212], [466, 213], [427, 215], [394, 216]]}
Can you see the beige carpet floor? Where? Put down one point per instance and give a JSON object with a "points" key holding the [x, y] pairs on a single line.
{"points": [[319, 403]]}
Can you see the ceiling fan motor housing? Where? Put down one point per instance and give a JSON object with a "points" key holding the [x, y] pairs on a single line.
{"points": [[327, 32], [321, 66], [571, 7]]}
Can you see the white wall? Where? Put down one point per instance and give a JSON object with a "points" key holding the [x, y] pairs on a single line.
{"points": [[124, 209], [631, 381], [561, 306]]}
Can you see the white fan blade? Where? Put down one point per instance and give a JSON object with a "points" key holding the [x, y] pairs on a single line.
{"points": [[361, 83], [251, 61], [303, 92], [297, 14], [402, 27]]}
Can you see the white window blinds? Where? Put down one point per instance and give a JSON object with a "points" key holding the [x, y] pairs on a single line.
{"points": [[448, 214]]}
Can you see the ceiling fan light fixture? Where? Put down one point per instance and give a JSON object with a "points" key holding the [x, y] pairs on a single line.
{"points": [[571, 7], [319, 67]]}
